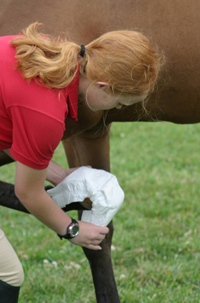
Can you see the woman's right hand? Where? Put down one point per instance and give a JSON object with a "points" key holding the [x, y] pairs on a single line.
{"points": [[90, 235]]}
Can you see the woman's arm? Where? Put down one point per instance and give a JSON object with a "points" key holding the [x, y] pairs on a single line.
{"points": [[29, 188], [56, 173]]}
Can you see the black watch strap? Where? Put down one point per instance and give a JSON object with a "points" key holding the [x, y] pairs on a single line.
{"points": [[69, 234]]}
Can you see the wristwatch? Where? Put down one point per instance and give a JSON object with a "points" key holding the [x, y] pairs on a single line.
{"points": [[72, 230]]}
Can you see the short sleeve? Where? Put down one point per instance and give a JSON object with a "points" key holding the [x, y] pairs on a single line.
{"points": [[35, 137]]}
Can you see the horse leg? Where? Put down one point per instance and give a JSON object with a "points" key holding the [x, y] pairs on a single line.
{"points": [[9, 199], [4, 158], [92, 148], [7, 193], [102, 271]]}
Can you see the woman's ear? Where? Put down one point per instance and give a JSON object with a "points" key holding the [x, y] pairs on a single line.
{"points": [[102, 84]]}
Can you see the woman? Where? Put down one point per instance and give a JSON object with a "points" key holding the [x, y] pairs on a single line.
{"points": [[40, 80]]}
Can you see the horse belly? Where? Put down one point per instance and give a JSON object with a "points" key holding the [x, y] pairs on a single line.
{"points": [[171, 25]]}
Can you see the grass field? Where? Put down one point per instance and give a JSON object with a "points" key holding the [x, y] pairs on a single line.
{"points": [[156, 244]]}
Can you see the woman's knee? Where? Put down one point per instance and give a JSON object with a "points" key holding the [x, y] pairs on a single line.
{"points": [[16, 277], [11, 270]]}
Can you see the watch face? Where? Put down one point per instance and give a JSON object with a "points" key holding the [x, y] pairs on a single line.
{"points": [[74, 230]]}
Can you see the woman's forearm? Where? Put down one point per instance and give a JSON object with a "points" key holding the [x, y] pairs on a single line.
{"points": [[47, 211], [29, 188], [56, 173]]}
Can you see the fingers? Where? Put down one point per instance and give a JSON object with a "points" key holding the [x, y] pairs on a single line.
{"points": [[98, 241], [94, 247], [104, 230], [90, 236]]}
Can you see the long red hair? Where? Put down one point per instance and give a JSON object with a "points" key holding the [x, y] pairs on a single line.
{"points": [[123, 59]]}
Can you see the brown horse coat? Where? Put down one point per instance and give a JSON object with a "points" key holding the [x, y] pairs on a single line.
{"points": [[171, 25]]}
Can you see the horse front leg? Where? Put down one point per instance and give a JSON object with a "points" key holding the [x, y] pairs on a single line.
{"points": [[9, 199], [102, 271], [4, 158], [92, 148]]}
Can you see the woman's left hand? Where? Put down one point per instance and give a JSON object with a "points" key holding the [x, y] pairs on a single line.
{"points": [[56, 173]]}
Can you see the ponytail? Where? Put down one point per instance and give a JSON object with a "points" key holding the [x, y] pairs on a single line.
{"points": [[53, 62]]}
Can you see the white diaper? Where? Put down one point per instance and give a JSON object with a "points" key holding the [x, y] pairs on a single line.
{"points": [[101, 187]]}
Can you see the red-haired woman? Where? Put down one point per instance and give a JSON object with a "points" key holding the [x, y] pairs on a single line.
{"points": [[40, 80]]}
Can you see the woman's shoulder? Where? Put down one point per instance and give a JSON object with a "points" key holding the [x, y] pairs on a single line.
{"points": [[5, 41]]}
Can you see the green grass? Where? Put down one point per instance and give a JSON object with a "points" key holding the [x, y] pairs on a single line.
{"points": [[156, 244]]}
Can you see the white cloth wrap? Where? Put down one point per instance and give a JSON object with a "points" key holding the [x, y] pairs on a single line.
{"points": [[101, 187]]}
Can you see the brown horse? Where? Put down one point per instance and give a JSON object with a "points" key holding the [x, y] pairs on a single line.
{"points": [[171, 25]]}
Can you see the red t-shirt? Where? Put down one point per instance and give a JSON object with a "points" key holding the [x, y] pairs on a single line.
{"points": [[32, 117]]}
